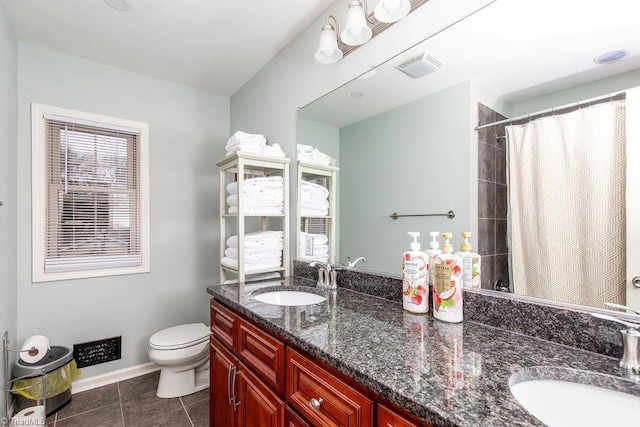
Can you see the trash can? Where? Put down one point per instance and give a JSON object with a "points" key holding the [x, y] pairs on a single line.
{"points": [[61, 370]]}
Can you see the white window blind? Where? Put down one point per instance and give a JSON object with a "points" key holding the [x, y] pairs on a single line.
{"points": [[92, 196]]}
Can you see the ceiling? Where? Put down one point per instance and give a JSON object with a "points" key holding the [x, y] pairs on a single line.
{"points": [[518, 49], [213, 45]]}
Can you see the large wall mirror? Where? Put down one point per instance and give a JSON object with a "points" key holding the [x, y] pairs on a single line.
{"points": [[409, 146]]}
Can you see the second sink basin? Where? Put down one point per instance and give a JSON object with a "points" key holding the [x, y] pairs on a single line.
{"points": [[563, 402], [289, 298]]}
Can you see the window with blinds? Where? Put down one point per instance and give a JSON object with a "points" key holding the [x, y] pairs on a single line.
{"points": [[93, 193]]}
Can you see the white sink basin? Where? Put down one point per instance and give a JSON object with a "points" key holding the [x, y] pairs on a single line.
{"points": [[289, 298], [563, 403]]}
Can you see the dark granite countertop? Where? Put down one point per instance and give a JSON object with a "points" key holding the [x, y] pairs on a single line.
{"points": [[445, 374]]}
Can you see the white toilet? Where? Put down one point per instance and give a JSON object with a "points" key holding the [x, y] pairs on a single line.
{"points": [[182, 352]]}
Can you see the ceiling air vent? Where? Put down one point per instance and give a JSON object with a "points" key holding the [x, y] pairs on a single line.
{"points": [[420, 65]]}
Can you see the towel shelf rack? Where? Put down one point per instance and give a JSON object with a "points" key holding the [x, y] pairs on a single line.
{"points": [[450, 215]]}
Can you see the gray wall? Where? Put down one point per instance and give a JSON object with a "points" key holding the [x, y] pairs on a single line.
{"points": [[188, 131], [8, 188], [410, 160]]}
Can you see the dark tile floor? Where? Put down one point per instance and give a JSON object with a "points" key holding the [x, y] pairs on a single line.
{"points": [[132, 403]]}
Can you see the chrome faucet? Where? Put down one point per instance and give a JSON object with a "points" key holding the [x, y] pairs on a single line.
{"points": [[630, 360], [353, 264], [326, 276]]}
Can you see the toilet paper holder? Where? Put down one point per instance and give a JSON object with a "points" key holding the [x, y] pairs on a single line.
{"points": [[7, 386]]}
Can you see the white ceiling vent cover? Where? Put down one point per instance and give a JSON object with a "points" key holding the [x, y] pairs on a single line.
{"points": [[420, 65]]}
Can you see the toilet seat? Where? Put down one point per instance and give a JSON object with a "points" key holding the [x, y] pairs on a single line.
{"points": [[181, 336]]}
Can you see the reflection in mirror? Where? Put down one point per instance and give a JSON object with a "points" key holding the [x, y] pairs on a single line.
{"points": [[409, 145]]}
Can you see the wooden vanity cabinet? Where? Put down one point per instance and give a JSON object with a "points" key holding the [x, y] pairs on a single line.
{"points": [[238, 398], [291, 419], [255, 380], [262, 353], [387, 417], [323, 398]]}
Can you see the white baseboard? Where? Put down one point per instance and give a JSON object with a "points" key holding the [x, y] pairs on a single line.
{"points": [[84, 384]]}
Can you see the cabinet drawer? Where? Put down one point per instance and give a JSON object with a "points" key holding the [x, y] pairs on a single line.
{"points": [[223, 324], [263, 353], [291, 419], [387, 417], [322, 398]]}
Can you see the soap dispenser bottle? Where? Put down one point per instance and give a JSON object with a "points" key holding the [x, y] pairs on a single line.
{"points": [[434, 249], [447, 284], [471, 262], [415, 297]]}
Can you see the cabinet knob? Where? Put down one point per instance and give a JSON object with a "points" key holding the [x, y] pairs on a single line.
{"points": [[636, 281], [315, 403]]}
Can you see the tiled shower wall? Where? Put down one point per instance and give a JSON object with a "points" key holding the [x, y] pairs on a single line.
{"points": [[492, 199]]}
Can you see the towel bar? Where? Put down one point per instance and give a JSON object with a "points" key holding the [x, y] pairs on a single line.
{"points": [[450, 215]]}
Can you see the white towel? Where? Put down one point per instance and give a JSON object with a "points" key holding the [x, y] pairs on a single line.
{"points": [[258, 239], [233, 263], [260, 210], [323, 258], [312, 212], [312, 189], [268, 199], [313, 203], [315, 250], [257, 184], [273, 150], [307, 153], [252, 143], [318, 239], [271, 252]]}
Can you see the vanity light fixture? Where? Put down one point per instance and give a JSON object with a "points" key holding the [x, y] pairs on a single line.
{"points": [[391, 10], [356, 31], [328, 51], [360, 27]]}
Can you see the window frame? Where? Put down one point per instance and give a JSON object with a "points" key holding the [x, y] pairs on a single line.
{"points": [[40, 205]]}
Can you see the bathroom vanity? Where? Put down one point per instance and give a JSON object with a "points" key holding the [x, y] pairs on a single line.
{"points": [[357, 359]]}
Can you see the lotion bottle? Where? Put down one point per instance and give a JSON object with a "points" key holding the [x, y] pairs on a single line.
{"points": [[415, 296], [434, 249], [447, 284], [471, 262]]}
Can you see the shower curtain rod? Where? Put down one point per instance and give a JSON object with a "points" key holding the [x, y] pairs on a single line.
{"points": [[551, 110]]}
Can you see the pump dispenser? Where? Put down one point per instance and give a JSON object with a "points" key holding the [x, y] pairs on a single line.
{"points": [[434, 249], [471, 262], [415, 298], [447, 284]]}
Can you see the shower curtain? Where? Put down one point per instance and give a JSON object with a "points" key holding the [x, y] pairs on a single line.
{"points": [[567, 205]]}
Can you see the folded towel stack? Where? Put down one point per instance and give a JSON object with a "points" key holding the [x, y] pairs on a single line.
{"points": [[262, 196], [252, 143], [314, 247], [262, 249], [307, 153], [314, 199]]}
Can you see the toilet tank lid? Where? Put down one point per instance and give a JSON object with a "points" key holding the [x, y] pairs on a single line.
{"points": [[182, 334]]}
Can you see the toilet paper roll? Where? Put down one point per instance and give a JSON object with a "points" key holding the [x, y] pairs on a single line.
{"points": [[34, 348], [31, 416]]}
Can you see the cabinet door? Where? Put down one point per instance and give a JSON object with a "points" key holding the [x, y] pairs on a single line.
{"points": [[323, 398], [221, 413], [223, 324], [387, 417], [258, 405], [291, 419], [262, 353]]}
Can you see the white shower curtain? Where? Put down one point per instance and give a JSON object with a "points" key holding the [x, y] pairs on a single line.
{"points": [[567, 205]]}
